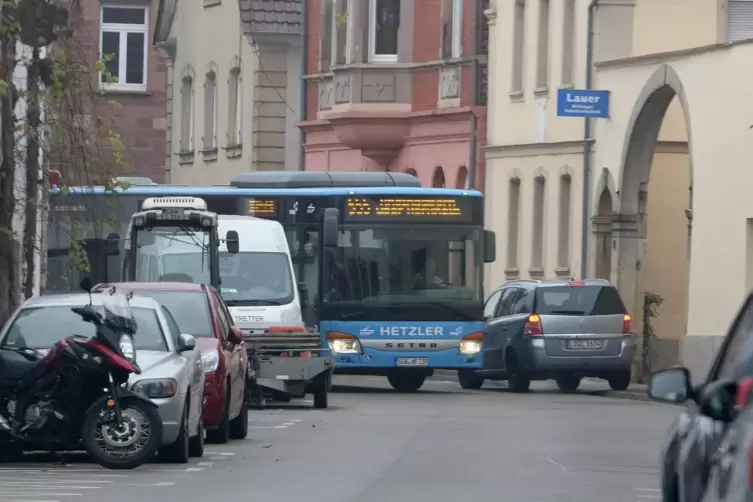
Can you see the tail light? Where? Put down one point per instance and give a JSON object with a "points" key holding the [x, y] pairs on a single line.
{"points": [[627, 324], [744, 387], [286, 330], [533, 326]]}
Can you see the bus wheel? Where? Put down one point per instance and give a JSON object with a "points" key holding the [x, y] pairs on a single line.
{"points": [[406, 382]]}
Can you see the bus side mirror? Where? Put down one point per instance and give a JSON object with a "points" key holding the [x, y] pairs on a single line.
{"points": [[329, 227], [111, 244], [232, 241], [490, 246], [303, 294]]}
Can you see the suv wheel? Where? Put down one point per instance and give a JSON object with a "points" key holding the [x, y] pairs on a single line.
{"points": [[517, 380], [568, 383], [620, 380]]}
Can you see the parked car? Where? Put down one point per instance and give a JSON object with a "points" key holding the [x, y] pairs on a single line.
{"points": [[199, 310], [561, 330], [731, 465], [695, 436], [170, 372]]}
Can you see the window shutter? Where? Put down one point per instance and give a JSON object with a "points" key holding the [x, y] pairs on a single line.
{"points": [[739, 20]]}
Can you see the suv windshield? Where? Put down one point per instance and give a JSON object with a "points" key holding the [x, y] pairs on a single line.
{"points": [[190, 310], [578, 300], [41, 327], [256, 278]]}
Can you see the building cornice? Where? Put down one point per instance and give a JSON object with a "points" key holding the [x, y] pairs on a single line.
{"points": [[566, 148], [664, 57]]}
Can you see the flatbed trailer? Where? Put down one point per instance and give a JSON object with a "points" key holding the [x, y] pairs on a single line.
{"points": [[287, 365]]}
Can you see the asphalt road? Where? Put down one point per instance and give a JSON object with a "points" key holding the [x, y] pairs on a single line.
{"points": [[374, 445]]}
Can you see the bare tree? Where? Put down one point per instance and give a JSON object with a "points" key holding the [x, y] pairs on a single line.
{"points": [[65, 124]]}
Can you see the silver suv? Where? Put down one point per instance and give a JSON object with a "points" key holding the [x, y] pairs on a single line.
{"points": [[561, 330]]}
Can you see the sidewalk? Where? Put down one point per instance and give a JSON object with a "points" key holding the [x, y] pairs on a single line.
{"points": [[636, 392]]}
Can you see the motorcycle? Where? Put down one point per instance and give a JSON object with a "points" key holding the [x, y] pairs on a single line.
{"points": [[76, 395]]}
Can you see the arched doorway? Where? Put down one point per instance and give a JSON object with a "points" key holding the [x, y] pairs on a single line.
{"points": [[652, 226], [603, 235], [438, 180], [462, 178]]}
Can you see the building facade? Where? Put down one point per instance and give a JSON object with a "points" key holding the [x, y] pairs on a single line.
{"points": [[394, 85], [665, 214], [123, 31], [233, 92]]}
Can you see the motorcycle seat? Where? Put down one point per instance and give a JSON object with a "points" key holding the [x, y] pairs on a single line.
{"points": [[14, 366]]}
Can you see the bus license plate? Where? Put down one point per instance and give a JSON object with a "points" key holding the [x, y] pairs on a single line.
{"points": [[412, 361]]}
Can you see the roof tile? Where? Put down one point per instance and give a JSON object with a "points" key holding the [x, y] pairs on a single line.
{"points": [[272, 16]]}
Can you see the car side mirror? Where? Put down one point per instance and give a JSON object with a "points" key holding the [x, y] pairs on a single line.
{"points": [[717, 400], [303, 293], [490, 246], [186, 342], [86, 284], [235, 335], [672, 385], [232, 241]]}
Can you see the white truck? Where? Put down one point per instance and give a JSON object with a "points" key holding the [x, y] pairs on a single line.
{"points": [[248, 260]]}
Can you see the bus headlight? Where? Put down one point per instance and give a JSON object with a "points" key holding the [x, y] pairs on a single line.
{"points": [[470, 347], [471, 344], [343, 343]]}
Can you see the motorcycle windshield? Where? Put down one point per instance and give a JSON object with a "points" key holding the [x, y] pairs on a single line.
{"points": [[41, 327], [117, 312]]}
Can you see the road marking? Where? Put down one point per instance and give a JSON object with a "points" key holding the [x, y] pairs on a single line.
{"points": [[223, 453], [36, 479], [27, 500], [205, 464], [55, 470], [38, 494], [555, 462]]}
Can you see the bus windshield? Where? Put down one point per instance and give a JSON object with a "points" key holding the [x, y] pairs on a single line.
{"points": [[404, 273], [175, 253]]}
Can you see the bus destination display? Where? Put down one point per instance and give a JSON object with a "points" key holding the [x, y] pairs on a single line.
{"points": [[262, 208], [402, 209]]}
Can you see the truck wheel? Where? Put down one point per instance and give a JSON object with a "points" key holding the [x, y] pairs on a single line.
{"points": [[469, 380], [406, 382], [321, 396]]}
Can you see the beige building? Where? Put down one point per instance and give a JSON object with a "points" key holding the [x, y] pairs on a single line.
{"points": [[678, 75], [234, 87]]}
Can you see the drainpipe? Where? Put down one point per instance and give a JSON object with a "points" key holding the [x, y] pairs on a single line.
{"points": [[587, 145], [472, 156], [304, 82]]}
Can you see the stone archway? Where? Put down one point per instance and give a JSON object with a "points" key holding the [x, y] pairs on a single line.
{"points": [[602, 229], [438, 181], [631, 223]]}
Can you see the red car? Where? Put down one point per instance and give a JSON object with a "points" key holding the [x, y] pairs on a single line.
{"points": [[199, 311]]}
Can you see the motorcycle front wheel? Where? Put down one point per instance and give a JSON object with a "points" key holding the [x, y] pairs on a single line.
{"points": [[127, 445]]}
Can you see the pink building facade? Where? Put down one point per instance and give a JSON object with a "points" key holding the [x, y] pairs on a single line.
{"points": [[371, 110]]}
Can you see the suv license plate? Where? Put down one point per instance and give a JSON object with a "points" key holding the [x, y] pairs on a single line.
{"points": [[412, 361], [584, 344]]}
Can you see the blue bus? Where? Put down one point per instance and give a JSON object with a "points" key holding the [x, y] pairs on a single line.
{"points": [[393, 271]]}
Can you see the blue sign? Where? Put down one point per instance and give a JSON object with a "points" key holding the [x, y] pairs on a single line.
{"points": [[582, 103]]}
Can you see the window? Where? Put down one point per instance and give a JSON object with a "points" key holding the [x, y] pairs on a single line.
{"points": [[508, 301], [186, 117], [385, 21], [328, 24], [537, 255], [123, 44], [519, 36], [452, 27], [172, 325], [342, 32], [568, 42], [513, 223], [733, 360], [579, 300], [210, 110], [235, 108], [563, 249], [491, 304], [542, 69], [739, 20]]}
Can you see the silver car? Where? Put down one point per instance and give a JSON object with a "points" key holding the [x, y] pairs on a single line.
{"points": [[171, 375], [563, 330]]}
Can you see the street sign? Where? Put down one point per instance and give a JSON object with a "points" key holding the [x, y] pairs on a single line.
{"points": [[582, 103]]}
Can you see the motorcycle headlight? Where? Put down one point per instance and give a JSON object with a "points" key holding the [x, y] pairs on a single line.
{"points": [[156, 388], [127, 347], [210, 361]]}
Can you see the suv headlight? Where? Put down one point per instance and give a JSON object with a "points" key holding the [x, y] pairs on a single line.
{"points": [[127, 347], [210, 361], [156, 388]]}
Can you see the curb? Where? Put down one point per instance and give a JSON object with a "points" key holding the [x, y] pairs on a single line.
{"points": [[639, 393]]}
